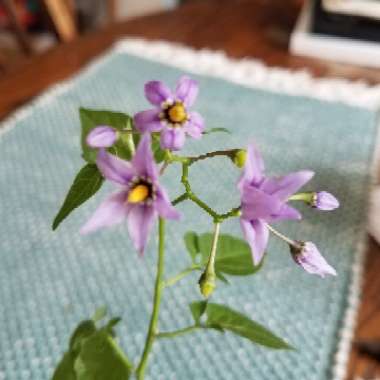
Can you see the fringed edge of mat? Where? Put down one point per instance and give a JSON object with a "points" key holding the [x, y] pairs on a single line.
{"points": [[250, 73]]}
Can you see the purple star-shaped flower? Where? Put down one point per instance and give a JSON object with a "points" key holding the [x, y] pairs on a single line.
{"points": [[263, 200], [141, 198], [171, 115]]}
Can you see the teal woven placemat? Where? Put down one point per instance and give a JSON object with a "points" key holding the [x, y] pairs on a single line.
{"points": [[50, 281]]}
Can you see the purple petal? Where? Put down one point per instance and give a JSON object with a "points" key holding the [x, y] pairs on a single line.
{"points": [[140, 221], [172, 138], [286, 213], [326, 201], [284, 187], [253, 172], [114, 168], [113, 210], [101, 137], [143, 160], [310, 259], [195, 126], [258, 205], [256, 233], [187, 90], [148, 121], [157, 92], [163, 205]]}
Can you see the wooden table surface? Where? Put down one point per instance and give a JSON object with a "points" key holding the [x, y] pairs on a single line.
{"points": [[255, 28]]}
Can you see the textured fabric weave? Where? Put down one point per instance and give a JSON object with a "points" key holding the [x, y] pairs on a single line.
{"points": [[49, 281]]}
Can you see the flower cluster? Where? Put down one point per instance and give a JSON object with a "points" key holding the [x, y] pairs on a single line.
{"points": [[264, 200]]}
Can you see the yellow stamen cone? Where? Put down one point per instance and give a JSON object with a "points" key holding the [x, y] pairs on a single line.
{"points": [[138, 194], [177, 113]]}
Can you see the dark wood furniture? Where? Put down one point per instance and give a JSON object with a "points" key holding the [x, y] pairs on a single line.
{"points": [[255, 28]]}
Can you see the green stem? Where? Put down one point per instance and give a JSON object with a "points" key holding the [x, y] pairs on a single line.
{"points": [[305, 197], [211, 260], [172, 334], [129, 139], [173, 280], [180, 199], [233, 212], [281, 236], [191, 159], [156, 301], [190, 195], [226, 153]]}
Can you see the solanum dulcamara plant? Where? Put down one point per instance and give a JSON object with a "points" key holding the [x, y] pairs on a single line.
{"points": [[133, 153]]}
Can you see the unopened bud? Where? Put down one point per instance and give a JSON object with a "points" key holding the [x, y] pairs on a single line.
{"points": [[240, 157], [207, 283], [101, 136], [325, 201], [307, 255]]}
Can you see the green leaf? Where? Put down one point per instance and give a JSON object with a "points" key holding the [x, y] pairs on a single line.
{"points": [[159, 154], [197, 310], [216, 130], [65, 369], [233, 255], [191, 242], [83, 330], [94, 354], [111, 324], [87, 182], [99, 314], [101, 358], [93, 118], [224, 318]]}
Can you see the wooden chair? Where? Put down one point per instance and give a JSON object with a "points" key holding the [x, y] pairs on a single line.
{"points": [[62, 14]]}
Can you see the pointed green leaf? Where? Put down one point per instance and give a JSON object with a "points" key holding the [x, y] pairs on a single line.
{"points": [[99, 314], [93, 118], [65, 369], [191, 243], [111, 324], [233, 255], [87, 182], [83, 330], [222, 278], [101, 358], [94, 354], [239, 324], [159, 154], [197, 310], [216, 130]]}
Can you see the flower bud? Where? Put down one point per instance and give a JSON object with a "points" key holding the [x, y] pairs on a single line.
{"points": [[306, 255], [102, 136], [239, 157], [324, 201], [207, 283]]}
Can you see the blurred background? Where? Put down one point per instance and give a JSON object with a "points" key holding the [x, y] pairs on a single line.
{"points": [[345, 31], [33, 26]]}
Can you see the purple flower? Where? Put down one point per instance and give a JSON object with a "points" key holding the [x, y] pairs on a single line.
{"points": [[263, 200], [306, 255], [324, 201], [102, 136], [171, 115], [140, 199]]}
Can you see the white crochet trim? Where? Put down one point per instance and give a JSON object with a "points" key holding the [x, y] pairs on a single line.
{"points": [[250, 73], [253, 73]]}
